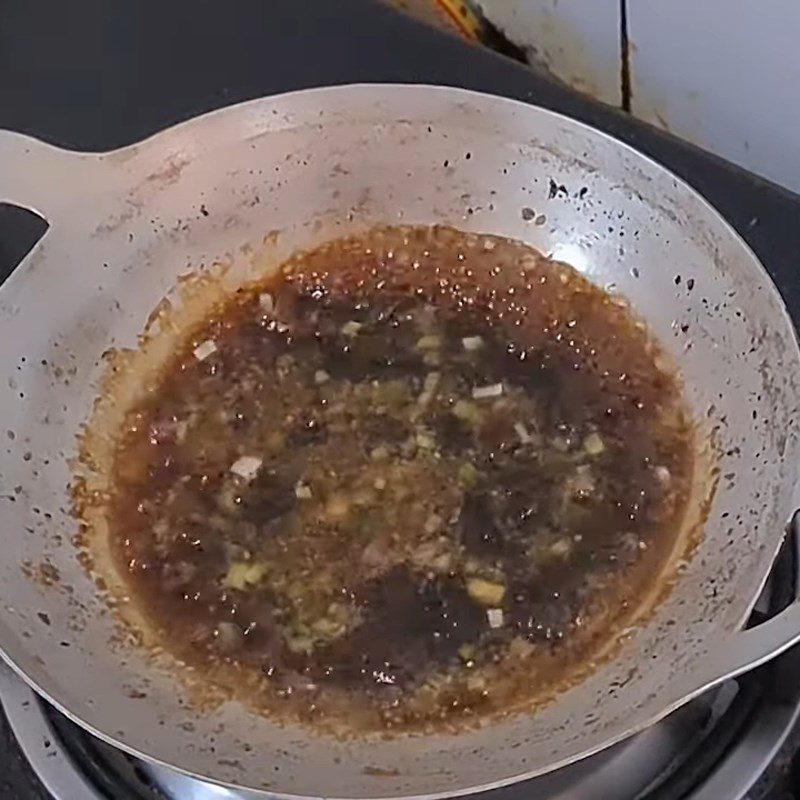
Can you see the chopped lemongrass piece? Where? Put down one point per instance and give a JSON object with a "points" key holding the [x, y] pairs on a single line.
{"points": [[466, 652], [426, 441], [492, 390], [302, 492], [351, 328], [472, 343], [337, 507], [205, 349], [560, 548], [522, 432], [429, 388], [593, 444], [429, 342], [241, 574], [379, 453], [433, 524], [266, 302], [487, 593], [466, 411], [320, 376], [467, 473], [495, 617], [246, 467]]}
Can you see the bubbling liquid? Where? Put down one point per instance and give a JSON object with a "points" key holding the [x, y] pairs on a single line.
{"points": [[419, 477]]}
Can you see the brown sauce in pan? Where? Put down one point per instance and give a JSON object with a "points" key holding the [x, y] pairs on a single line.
{"points": [[419, 477]]}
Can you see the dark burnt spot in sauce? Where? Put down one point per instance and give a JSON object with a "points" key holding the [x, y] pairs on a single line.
{"points": [[385, 489]]}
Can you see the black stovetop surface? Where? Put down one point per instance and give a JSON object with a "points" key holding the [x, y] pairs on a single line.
{"points": [[95, 75]]}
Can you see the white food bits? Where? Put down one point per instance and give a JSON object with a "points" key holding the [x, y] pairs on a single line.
{"points": [[522, 432], [495, 617], [302, 492], [320, 376], [351, 328], [267, 303], [472, 343], [482, 392], [205, 349], [246, 467]]}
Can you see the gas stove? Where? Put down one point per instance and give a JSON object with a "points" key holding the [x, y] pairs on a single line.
{"points": [[83, 81], [737, 742]]}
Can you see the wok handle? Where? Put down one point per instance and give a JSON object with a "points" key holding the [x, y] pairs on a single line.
{"points": [[748, 649], [41, 177]]}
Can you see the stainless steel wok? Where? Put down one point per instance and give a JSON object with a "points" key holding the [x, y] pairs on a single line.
{"points": [[316, 164]]}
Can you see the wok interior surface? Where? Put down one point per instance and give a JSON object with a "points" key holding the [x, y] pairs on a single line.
{"points": [[317, 165]]}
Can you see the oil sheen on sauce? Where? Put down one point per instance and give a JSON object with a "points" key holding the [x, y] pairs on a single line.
{"points": [[419, 478]]}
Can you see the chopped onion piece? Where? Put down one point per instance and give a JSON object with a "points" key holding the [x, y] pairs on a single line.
{"points": [[379, 453], [205, 349], [351, 328], [266, 302], [302, 492], [522, 432], [246, 467], [472, 343], [495, 617], [493, 390], [320, 376]]}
